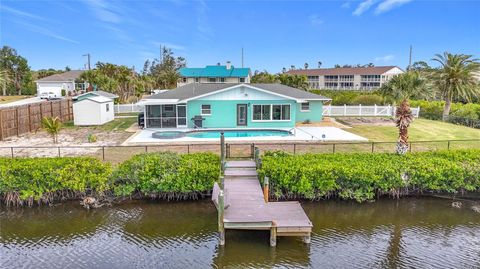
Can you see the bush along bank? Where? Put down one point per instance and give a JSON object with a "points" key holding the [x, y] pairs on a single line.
{"points": [[365, 176], [167, 175], [44, 180], [25, 181]]}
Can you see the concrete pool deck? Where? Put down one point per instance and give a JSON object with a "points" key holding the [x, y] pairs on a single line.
{"points": [[310, 134]]}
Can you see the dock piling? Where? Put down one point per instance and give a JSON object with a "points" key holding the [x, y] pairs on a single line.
{"points": [[265, 189], [273, 235], [221, 209]]}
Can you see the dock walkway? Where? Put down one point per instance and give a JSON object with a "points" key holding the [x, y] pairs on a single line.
{"points": [[245, 206]]}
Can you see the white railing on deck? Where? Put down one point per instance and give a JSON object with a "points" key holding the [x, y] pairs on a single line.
{"points": [[367, 111], [127, 108]]}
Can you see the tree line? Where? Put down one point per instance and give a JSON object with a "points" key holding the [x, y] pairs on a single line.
{"points": [[455, 79], [17, 78]]}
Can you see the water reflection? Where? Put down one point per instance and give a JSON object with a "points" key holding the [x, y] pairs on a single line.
{"points": [[407, 233]]}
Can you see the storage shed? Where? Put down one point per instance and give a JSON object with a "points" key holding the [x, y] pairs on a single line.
{"points": [[93, 110]]}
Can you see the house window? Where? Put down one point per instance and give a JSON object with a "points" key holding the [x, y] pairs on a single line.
{"points": [[197, 80], [241, 80], [107, 107], [206, 110], [222, 79], [271, 112], [184, 80], [212, 80], [305, 106]]}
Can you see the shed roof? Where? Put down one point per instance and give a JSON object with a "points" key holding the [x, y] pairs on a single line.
{"points": [[197, 90], [97, 99], [63, 77], [96, 93], [214, 71]]}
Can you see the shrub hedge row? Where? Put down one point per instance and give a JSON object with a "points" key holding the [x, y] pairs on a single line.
{"points": [[167, 175], [463, 114], [163, 175], [354, 97], [363, 176]]}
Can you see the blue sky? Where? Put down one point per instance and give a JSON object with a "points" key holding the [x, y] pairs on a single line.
{"points": [[274, 34]]}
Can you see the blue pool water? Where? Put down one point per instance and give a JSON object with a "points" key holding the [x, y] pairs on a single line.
{"points": [[216, 133], [236, 133]]}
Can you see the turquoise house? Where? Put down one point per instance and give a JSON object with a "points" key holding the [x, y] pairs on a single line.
{"points": [[232, 105]]}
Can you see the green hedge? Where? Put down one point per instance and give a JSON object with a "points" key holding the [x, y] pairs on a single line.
{"points": [[25, 180], [463, 114], [362, 176], [160, 175], [167, 175], [340, 97]]}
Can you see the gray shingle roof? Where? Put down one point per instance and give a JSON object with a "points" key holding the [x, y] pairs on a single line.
{"points": [[105, 94], [66, 76], [193, 90]]}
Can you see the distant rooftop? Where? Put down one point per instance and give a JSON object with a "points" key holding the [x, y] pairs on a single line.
{"points": [[66, 76], [375, 70], [194, 90], [215, 71]]}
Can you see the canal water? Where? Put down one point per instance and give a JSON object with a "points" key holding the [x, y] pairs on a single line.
{"points": [[406, 233]]}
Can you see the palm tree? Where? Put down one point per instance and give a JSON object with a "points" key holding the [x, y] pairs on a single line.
{"points": [[52, 126], [456, 78], [402, 88], [4, 80], [306, 65]]}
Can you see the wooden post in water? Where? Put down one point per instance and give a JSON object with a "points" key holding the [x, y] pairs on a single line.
{"points": [[273, 234], [221, 208], [265, 189], [307, 239]]}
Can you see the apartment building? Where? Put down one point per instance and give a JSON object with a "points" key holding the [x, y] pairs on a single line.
{"points": [[214, 74], [350, 78]]}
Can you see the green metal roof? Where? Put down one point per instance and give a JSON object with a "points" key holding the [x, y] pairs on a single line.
{"points": [[214, 71]]}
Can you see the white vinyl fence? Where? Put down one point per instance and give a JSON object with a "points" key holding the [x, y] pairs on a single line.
{"points": [[367, 111], [127, 108]]}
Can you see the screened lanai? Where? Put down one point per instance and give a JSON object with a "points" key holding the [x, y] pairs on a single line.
{"points": [[165, 116]]}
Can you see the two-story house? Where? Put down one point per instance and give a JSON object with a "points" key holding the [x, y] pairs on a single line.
{"points": [[214, 74]]}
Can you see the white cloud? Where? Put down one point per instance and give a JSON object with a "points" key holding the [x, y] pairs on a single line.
{"points": [[103, 11], [386, 58], [45, 31], [363, 6], [22, 13], [315, 20], [204, 29], [168, 45], [345, 5], [388, 5]]}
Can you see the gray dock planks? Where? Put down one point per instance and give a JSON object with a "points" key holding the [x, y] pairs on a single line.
{"points": [[245, 207]]}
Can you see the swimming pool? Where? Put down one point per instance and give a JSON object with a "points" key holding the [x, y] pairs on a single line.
{"points": [[216, 133], [236, 133]]}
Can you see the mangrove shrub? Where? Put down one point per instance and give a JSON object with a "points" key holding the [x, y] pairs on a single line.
{"points": [[43, 180], [167, 175], [363, 176]]}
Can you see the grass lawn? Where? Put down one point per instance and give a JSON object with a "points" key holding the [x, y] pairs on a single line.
{"points": [[118, 124], [420, 130], [12, 98]]}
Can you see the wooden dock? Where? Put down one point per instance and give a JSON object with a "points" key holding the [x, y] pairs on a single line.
{"points": [[241, 204]]}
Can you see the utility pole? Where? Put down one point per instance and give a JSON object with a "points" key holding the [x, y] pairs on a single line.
{"points": [[88, 60], [242, 57], [410, 59]]}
